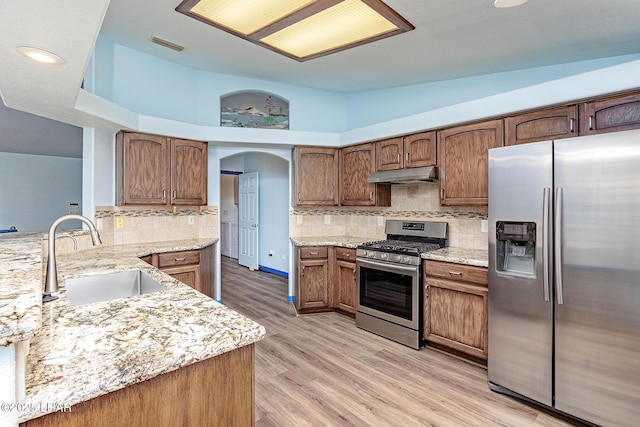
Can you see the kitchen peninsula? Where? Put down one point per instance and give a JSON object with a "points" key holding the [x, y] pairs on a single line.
{"points": [[163, 357]]}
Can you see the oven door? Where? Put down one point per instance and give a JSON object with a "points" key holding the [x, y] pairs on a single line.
{"points": [[389, 291]]}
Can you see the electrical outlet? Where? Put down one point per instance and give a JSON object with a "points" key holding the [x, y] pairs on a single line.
{"points": [[327, 219], [270, 252], [191, 220], [99, 224], [119, 222], [380, 221], [299, 219], [484, 226]]}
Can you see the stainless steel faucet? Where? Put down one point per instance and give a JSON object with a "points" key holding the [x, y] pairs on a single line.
{"points": [[51, 279]]}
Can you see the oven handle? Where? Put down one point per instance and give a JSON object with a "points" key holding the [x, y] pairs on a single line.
{"points": [[386, 265]]}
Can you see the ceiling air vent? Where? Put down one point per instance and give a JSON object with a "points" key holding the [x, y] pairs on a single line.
{"points": [[167, 44]]}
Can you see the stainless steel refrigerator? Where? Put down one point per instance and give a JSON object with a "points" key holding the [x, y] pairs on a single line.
{"points": [[564, 275]]}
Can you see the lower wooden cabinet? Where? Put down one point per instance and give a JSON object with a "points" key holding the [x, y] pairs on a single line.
{"points": [[314, 283], [193, 267], [214, 392], [326, 280], [456, 307], [345, 280]]}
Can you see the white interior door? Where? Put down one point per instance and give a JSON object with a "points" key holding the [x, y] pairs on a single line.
{"points": [[248, 220]]}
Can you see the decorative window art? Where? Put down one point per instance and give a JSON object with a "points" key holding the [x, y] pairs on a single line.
{"points": [[254, 110]]}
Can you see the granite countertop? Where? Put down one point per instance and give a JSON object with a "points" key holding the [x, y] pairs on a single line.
{"points": [[342, 241], [476, 257], [78, 353]]}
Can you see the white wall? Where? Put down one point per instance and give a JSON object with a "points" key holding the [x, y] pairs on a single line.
{"points": [[36, 190]]}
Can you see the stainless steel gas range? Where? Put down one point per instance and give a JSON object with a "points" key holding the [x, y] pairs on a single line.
{"points": [[389, 280]]}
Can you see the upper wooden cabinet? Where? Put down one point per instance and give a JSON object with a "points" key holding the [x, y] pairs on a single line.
{"points": [[463, 162], [552, 123], [411, 151], [611, 115], [316, 171], [356, 164], [156, 170]]}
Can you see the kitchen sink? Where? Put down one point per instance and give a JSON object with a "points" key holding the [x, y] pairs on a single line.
{"points": [[110, 286]]}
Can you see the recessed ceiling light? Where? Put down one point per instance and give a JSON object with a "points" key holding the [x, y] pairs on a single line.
{"points": [[300, 29], [508, 3], [40, 55]]}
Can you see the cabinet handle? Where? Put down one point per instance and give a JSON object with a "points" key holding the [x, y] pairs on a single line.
{"points": [[164, 193], [442, 194], [174, 194], [571, 125], [371, 195], [407, 157], [180, 259], [354, 272], [302, 271], [591, 122], [455, 273], [426, 291], [314, 253], [298, 196], [398, 158], [346, 255]]}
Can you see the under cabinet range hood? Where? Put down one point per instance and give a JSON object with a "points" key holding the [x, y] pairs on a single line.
{"points": [[405, 176]]}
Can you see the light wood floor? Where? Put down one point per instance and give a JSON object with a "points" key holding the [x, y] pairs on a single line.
{"points": [[320, 370]]}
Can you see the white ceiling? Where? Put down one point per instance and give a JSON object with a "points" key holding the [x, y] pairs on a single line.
{"points": [[452, 39]]}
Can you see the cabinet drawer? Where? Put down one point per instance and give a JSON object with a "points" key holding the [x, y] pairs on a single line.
{"points": [[346, 254], [460, 272], [170, 259], [314, 252]]}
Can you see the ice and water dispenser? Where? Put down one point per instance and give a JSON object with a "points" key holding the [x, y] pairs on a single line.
{"points": [[516, 247]]}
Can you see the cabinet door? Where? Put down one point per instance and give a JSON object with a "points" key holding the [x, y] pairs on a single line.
{"points": [[142, 169], [420, 150], [553, 123], [612, 115], [188, 172], [462, 158], [390, 154], [316, 176], [189, 275], [356, 164], [456, 316], [313, 285], [345, 286]]}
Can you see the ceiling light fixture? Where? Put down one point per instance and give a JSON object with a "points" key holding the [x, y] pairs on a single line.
{"points": [[40, 55], [508, 3], [300, 29]]}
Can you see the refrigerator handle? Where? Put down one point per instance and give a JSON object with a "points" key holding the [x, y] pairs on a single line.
{"points": [[545, 244], [557, 244]]}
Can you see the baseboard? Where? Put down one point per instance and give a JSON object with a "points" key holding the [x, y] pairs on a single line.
{"points": [[274, 271]]}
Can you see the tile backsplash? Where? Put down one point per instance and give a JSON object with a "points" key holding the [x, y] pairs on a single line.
{"points": [[153, 224], [419, 202]]}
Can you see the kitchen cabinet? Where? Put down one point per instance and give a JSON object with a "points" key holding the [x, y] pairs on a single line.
{"points": [[456, 307], [314, 282], [193, 267], [410, 151], [614, 114], [356, 164], [156, 170], [462, 159], [316, 174], [345, 280], [180, 397], [543, 125]]}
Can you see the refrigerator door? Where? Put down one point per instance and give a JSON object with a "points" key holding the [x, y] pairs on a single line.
{"points": [[597, 329], [520, 319]]}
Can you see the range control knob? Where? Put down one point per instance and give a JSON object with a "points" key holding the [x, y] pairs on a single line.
{"points": [[383, 256], [397, 258], [406, 260]]}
